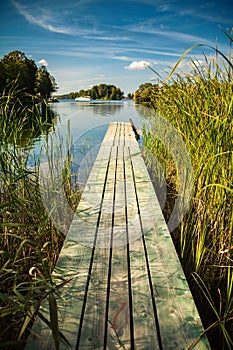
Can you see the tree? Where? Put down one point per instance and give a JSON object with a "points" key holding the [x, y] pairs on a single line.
{"points": [[17, 68], [44, 83], [94, 93], [146, 92], [17, 71], [101, 92], [119, 94]]}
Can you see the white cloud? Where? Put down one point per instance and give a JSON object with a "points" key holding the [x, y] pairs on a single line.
{"points": [[43, 62], [138, 65]]}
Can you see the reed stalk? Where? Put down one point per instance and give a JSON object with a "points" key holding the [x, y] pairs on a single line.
{"points": [[200, 106], [30, 243]]}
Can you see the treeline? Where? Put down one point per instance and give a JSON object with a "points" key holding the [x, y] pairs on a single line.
{"points": [[146, 93], [21, 75], [100, 92]]}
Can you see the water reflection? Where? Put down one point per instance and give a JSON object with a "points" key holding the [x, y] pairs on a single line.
{"points": [[28, 127], [34, 129], [101, 107], [85, 150]]}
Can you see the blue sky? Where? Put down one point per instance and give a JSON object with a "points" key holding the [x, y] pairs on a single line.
{"points": [[88, 42]]}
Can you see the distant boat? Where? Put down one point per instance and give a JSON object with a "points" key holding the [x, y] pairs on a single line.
{"points": [[83, 99], [53, 99]]}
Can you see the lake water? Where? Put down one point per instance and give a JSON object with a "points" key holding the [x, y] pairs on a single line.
{"points": [[83, 117], [79, 130], [89, 121], [87, 124]]}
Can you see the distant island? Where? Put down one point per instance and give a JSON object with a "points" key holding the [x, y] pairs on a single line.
{"points": [[98, 92]]}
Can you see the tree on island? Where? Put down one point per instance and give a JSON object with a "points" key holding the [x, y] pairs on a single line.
{"points": [[21, 74], [100, 92], [130, 96]]}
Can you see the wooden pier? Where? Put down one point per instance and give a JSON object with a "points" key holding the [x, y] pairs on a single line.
{"points": [[126, 288]]}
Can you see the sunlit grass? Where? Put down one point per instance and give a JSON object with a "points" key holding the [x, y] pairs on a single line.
{"points": [[200, 106]]}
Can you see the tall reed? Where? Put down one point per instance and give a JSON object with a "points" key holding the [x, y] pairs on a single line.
{"points": [[29, 242], [200, 105]]}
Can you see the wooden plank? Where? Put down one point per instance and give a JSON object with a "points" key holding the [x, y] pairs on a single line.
{"points": [[74, 262], [119, 312], [91, 331], [128, 290], [143, 314], [179, 321]]}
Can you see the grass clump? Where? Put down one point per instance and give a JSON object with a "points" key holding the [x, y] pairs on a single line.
{"points": [[29, 242], [200, 107]]}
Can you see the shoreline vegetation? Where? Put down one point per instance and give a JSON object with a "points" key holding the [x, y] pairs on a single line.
{"points": [[98, 92], [199, 105], [30, 243]]}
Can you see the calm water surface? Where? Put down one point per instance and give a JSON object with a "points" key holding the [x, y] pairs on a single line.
{"points": [[83, 117], [80, 128]]}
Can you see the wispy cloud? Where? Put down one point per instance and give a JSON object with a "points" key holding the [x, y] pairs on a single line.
{"points": [[161, 5], [43, 19], [113, 51], [119, 58], [173, 35], [106, 38], [205, 11], [154, 52]]}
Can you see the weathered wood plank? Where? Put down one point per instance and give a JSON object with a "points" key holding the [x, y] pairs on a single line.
{"points": [[179, 322], [119, 311], [128, 289], [74, 262], [143, 315]]}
